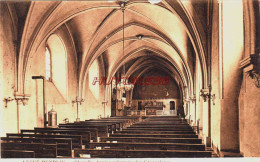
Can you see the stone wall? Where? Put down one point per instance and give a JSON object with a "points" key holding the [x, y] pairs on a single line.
{"points": [[144, 92]]}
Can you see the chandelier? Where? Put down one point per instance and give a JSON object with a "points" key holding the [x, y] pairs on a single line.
{"points": [[123, 83]]}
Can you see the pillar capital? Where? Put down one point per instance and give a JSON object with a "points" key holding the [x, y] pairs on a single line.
{"points": [[251, 66]]}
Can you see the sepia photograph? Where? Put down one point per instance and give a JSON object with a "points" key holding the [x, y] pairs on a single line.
{"points": [[129, 80]]}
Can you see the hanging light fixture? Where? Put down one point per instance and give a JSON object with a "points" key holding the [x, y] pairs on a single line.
{"points": [[123, 84]]}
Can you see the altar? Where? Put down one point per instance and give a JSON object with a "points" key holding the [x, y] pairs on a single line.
{"points": [[151, 110]]}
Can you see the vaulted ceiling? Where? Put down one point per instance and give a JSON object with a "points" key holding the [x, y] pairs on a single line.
{"points": [[169, 36]]}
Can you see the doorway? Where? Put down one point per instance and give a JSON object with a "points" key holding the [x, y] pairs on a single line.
{"points": [[139, 105], [172, 105]]}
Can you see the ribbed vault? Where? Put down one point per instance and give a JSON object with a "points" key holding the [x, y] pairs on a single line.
{"points": [[170, 30]]}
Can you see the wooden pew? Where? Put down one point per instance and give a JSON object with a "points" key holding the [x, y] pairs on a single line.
{"points": [[150, 131], [161, 117], [120, 153], [152, 140], [165, 119], [166, 116], [152, 137], [132, 118], [41, 150], [103, 130], [86, 136], [93, 131], [156, 135], [76, 139], [147, 146], [161, 123], [17, 154], [64, 145], [119, 124], [114, 125], [126, 122], [114, 119], [159, 129], [183, 127]]}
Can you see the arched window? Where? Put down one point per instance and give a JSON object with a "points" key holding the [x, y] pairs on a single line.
{"points": [[56, 66], [48, 64]]}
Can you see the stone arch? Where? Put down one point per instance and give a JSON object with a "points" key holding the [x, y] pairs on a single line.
{"points": [[53, 27]]}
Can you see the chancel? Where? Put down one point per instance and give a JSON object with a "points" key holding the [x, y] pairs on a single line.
{"points": [[130, 79]]}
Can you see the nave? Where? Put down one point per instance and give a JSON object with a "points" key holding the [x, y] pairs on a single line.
{"points": [[120, 59], [114, 137]]}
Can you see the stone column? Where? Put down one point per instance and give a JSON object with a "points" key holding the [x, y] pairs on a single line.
{"points": [[232, 51]]}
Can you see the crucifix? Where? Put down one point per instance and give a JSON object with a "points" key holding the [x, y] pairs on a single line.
{"points": [[78, 101]]}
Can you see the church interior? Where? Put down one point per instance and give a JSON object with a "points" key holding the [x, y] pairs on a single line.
{"points": [[130, 79]]}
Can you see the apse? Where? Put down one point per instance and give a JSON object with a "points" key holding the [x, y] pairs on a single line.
{"points": [[158, 89]]}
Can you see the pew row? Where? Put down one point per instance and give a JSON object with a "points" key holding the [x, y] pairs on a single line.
{"points": [[103, 130], [93, 131], [86, 135], [120, 153], [152, 140], [17, 154], [76, 139], [151, 131], [64, 145], [147, 146], [40, 150], [156, 135]]}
